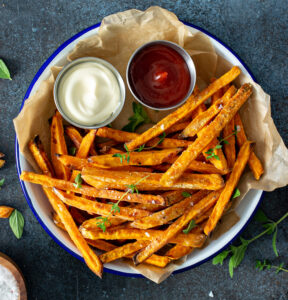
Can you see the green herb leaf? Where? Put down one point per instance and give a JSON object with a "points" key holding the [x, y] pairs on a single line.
{"points": [[279, 268], [4, 72], [2, 182], [261, 217], [238, 254], [191, 225], [225, 142], [16, 221], [236, 193], [210, 151], [274, 238], [219, 259], [139, 117], [78, 181], [218, 146], [72, 150], [186, 194], [141, 148], [216, 156], [102, 223]]}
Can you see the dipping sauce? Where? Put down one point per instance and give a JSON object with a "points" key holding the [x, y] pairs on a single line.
{"points": [[89, 93], [159, 76]]}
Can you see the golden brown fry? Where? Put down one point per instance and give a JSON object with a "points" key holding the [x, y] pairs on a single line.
{"points": [[5, 211], [173, 197], [91, 191], [57, 221], [58, 145], [202, 119], [177, 127], [230, 186], [86, 144], [166, 236], [164, 216], [229, 149], [184, 110], [40, 156], [253, 162], [94, 222], [192, 239], [207, 135], [91, 259], [129, 249], [178, 251], [147, 158], [123, 251], [2, 163], [148, 207], [103, 209], [150, 181], [76, 138], [123, 136]]}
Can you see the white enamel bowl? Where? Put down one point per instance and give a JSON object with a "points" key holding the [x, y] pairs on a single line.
{"points": [[42, 209]]}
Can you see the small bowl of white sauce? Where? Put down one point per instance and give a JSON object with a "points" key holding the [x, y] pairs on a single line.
{"points": [[89, 92]]}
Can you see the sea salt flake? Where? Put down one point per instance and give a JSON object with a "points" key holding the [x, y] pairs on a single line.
{"points": [[211, 295], [153, 201], [147, 234], [162, 127], [238, 127]]}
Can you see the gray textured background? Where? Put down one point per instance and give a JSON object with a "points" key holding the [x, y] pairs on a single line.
{"points": [[30, 32]]}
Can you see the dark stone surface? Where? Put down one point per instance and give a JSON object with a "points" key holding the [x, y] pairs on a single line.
{"points": [[30, 32]]}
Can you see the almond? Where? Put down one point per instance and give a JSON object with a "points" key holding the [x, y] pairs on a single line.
{"points": [[5, 211]]}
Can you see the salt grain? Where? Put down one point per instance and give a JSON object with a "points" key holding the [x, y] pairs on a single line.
{"points": [[162, 127], [211, 295], [147, 234]]}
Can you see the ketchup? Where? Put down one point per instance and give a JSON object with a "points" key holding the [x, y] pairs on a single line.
{"points": [[159, 76]]}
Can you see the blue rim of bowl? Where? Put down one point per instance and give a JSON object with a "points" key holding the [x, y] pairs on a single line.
{"points": [[17, 154]]}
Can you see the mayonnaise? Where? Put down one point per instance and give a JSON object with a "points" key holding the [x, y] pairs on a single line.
{"points": [[89, 93]]}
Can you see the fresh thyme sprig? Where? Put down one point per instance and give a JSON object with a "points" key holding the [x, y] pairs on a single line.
{"points": [[126, 155], [265, 264], [211, 152], [190, 226], [238, 252], [104, 221]]}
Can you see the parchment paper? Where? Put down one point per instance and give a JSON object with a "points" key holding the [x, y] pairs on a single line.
{"points": [[119, 35]]}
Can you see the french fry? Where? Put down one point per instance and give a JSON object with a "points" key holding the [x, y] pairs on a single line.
{"points": [[191, 239], [184, 110], [57, 221], [172, 197], [94, 222], [91, 259], [58, 145], [231, 184], [253, 162], [166, 236], [202, 119], [103, 209], [86, 144], [207, 135], [148, 207], [5, 211], [147, 158], [129, 249], [177, 127], [76, 138], [40, 156], [123, 136], [217, 94], [150, 181], [123, 251], [229, 148], [172, 212], [91, 191], [178, 251]]}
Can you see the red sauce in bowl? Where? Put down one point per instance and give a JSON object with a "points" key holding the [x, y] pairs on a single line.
{"points": [[159, 76]]}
